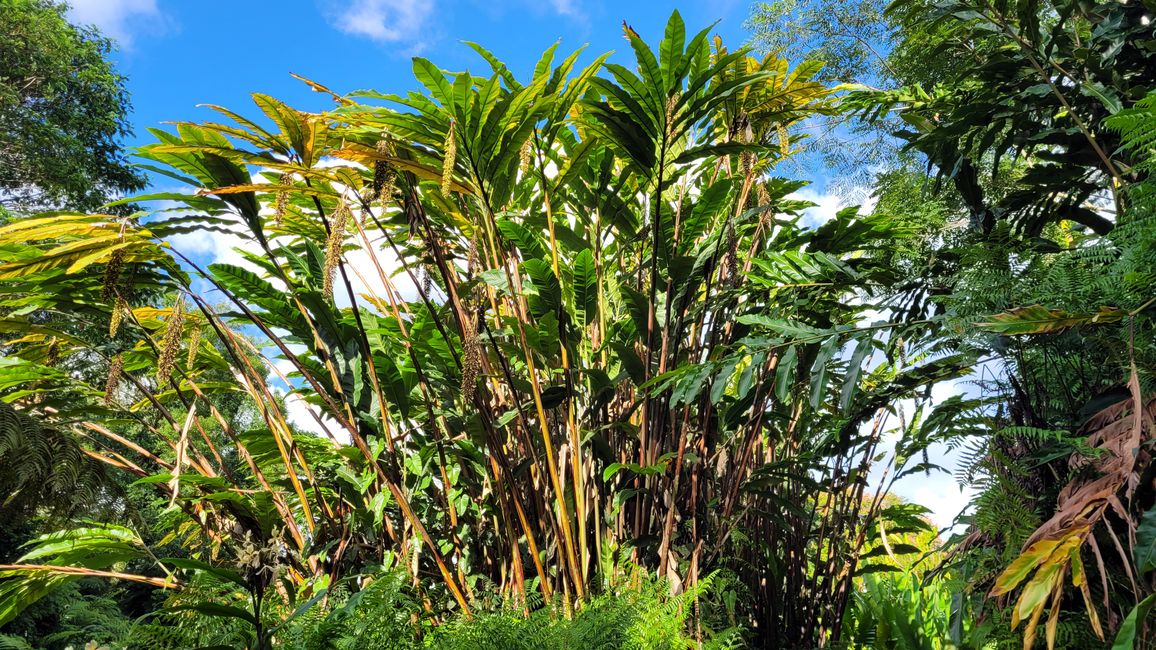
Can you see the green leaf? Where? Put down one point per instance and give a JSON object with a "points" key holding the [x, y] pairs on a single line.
{"points": [[785, 374], [527, 242], [792, 329], [547, 291], [585, 288], [221, 573], [1126, 636], [819, 371], [876, 568], [214, 609], [434, 80], [671, 48], [854, 369], [1146, 542]]}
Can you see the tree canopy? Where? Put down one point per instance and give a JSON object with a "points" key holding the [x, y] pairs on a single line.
{"points": [[63, 112]]}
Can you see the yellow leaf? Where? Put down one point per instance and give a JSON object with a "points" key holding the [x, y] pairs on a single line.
{"points": [[85, 260], [1035, 593], [1054, 616], [62, 220], [1080, 579], [1019, 569]]}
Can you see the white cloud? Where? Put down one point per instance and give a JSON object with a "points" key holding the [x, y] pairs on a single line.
{"points": [[308, 418], [365, 279], [828, 204], [938, 492], [384, 20], [119, 19], [217, 247]]}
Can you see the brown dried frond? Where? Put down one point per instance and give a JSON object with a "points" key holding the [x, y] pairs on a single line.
{"points": [[333, 245], [112, 275], [119, 306], [115, 367], [451, 154], [171, 343]]}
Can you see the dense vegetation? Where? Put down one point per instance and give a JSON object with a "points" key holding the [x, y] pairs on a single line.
{"points": [[559, 362], [63, 112]]}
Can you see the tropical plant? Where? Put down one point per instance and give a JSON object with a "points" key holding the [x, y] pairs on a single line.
{"points": [[1039, 80], [543, 330]]}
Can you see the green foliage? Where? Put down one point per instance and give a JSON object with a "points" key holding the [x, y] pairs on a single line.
{"points": [[635, 618], [895, 611], [91, 551], [49, 473], [622, 337], [1128, 634], [541, 326], [1032, 94], [63, 112]]}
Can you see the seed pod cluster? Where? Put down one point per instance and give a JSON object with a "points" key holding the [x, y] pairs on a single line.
{"points": [[471, 363], [731, 262], [119, 306], [451, 154], [384, 174], [426, 281], [748, 158], [52, 355], [171, 343], [112, 270], [333, 246], [671, 104], [115, 367], [525, 156], [194, 347], [282, 198]]}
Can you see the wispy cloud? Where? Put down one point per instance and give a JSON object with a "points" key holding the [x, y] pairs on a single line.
{"points": [[565, 7], [384, 20], [119, 19]]}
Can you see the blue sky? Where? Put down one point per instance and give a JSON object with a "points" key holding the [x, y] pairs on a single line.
{"points": [[178, 54]]}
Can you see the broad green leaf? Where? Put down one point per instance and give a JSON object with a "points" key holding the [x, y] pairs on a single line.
{"points": [[795, 330], [1126, 636], [1146, 542], [585, 288], [785, 374]]}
